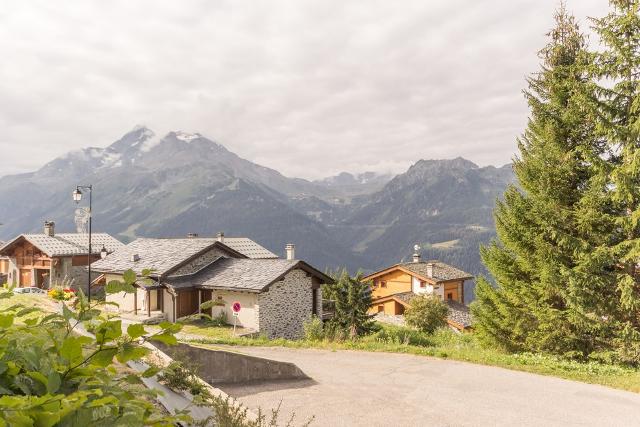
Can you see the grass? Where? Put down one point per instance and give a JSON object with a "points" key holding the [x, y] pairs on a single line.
{"points": [[443, 344]]}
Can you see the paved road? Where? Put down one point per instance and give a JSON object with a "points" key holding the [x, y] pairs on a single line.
{"points": [[376, 389]]}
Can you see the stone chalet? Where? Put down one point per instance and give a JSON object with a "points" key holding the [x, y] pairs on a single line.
{"points": [[42, 259], [276, 295], [395, 286]]}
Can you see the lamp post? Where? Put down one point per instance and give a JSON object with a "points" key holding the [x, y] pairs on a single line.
{"points": [[77, 196]]}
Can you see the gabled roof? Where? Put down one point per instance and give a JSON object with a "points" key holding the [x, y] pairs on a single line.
{"points": [[441, 272], [66, 244], [160, 255], [251, 275], [248, 247]]}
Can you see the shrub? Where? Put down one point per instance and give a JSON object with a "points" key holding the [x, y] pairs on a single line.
{"points": [[177, 376], [314, 329], [58, 376], [427, 313]]}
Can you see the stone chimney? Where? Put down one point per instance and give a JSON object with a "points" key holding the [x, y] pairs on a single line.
{"points": [[290, 249], [192, 235], [135, 258], [416, 253], [49, 228], [220, 237], [430, 266]]}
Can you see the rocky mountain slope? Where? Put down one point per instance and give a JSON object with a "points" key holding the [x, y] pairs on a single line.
{"points": [[146, 185]]}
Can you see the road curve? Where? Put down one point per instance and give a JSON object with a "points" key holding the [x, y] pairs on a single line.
{"points": [[354, 388]]}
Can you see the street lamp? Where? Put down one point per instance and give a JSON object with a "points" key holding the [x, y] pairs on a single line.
{"points": [[103, 252], [77, 197]]}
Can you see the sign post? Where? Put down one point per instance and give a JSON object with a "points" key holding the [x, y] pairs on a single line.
{"points": [[236, 311]]}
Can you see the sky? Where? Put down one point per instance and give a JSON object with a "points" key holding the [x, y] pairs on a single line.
{"points": [[310, 88]]}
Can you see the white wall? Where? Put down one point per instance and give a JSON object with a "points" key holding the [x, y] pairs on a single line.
{"points": [[248, 317], [430, 289], [168, 305]]}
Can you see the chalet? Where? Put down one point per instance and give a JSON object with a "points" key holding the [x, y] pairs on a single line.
{"points": [[48, 258], [276, 295], [395, 286]]}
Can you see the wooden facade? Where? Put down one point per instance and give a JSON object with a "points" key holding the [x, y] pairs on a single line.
{"points": [[33, 267], [397, 280]]}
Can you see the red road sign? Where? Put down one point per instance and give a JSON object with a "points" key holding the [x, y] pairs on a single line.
{"points": [[236, 307]]}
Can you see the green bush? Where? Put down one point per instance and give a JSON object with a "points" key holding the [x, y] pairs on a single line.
{"points": [[179, 377], [400, 335], [314, 329], [55, 374], [427, 313]]}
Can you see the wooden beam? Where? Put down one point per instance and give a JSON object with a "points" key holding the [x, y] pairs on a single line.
{"points": [[135, 302], [148, 303]]}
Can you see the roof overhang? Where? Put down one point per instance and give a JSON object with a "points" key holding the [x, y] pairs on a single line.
{"points": [[11, 244], [398, 267]]}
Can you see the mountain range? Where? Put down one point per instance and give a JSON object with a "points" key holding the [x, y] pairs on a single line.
{"points": [[146, 185]]}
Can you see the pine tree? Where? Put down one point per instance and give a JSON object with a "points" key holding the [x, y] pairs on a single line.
{"points": [[540, 222], [352, 300], [617, 101]]}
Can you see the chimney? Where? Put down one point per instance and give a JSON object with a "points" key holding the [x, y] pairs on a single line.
{"points": [[49, 228], [290, 249], [192, 235], [416, 253], [220, 237], [430, 266], [135, 258]]}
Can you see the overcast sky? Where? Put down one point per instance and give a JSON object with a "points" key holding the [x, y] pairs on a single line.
{"points": [[310, 88]]}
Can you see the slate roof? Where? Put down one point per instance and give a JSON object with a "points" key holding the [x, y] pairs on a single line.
{"points": [[68, 244], [441, 272], [459, 313], [252, 275], [248, 247], [163, 255], [160, 255]]}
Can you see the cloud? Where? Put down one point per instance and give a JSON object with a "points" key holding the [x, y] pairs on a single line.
{"points": [[310, 88]]}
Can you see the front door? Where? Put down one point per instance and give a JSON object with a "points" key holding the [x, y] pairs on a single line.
{"points": [[25, 278]]}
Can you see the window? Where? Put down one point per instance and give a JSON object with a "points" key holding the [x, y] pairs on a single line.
{"points": [[383, 284], [381, 309], [423, 284], [450, 296]]}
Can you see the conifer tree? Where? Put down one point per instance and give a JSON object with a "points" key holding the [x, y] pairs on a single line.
{"points": [[617, 102], [540, 235]]}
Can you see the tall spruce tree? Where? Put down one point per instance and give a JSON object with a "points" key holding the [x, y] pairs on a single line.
{"points": [[540, 222], [617, 102]]}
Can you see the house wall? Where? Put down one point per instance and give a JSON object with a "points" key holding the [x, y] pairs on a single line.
{"points": [[396, 282], [286, 305], [455, 289], [168, 305], [389, 308], [248, 316]]}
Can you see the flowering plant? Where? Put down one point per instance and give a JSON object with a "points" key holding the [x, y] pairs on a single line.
{"points": [[60, 294]]}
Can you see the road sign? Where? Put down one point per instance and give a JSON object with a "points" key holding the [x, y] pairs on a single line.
{"points": [[236, 307], [235, 314]]}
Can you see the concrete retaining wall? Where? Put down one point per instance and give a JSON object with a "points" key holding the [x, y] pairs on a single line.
{"points": [[225, 367]]}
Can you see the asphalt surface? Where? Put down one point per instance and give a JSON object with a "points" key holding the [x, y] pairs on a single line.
{"points": [[351, 388]]}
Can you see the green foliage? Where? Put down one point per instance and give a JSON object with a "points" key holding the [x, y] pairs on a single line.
{"points": [[314, 329], [352, 300], [52, 373], [427, 313], [179, 377], [565, 265]]}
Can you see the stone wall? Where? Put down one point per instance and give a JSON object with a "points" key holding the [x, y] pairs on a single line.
{"points": [[199, 262], [286, 305]]}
